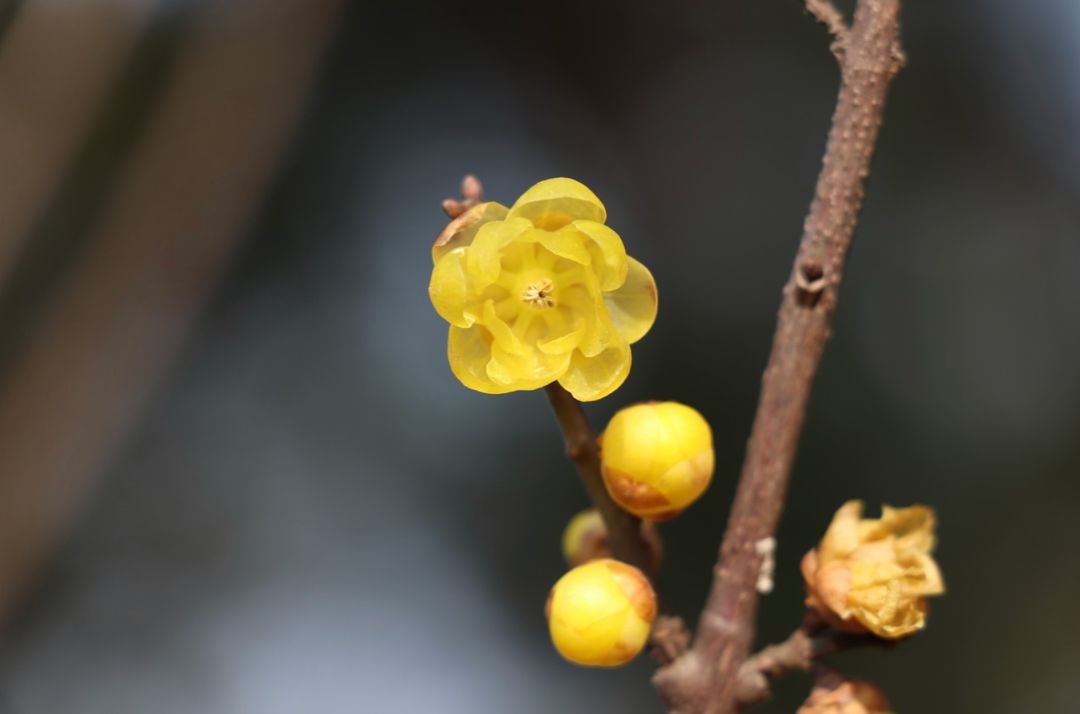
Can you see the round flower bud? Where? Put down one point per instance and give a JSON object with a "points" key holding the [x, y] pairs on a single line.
{"points": [[585, 538], [600, 614], [656, 458]]}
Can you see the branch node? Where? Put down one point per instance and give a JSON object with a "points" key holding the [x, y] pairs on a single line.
{"points": [[670, 639], [810, 282]]}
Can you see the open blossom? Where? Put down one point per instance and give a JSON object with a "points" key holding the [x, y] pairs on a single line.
{"points": [[839, 696], [874, 574], [539, 292]]}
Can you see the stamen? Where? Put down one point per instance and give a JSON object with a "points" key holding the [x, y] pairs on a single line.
{"points": [[539, 294]]}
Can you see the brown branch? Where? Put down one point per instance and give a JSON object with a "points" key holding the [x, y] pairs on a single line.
{"points": [[705, 678]]}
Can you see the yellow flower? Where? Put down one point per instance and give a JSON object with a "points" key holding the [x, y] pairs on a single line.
{"points": [[585, 538], [874, 574], [600, 614], [539, 292], [839, 696], [656, 458]]}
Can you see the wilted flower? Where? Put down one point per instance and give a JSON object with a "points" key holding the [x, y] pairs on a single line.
{"points": [[874, 574], [539, 292], [656, 458], [835, 695], [600, 614]]}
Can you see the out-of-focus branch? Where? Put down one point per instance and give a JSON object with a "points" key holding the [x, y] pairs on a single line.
{"points": [[181, 208], [705, 679], [50, 99]]}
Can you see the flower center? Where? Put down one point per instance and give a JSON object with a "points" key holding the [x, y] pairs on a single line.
{"points": [[539, 293]]}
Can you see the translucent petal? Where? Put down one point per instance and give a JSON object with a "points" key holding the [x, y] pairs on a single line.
{"points": [[610, 260], [504, 336], [469, 353], [482, 259], [530, 371], [569, 244], [632, 308], [461, 231], [564, 343], [586, 302], [592, 378], [448, 288], [553, 203]]}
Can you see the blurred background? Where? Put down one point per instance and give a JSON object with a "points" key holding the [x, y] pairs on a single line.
{"points": [[236, 474]]}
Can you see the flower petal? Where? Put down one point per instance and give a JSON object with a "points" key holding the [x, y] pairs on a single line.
{"points": [[448, 288], [632, 307], [842, 537], [565, 342], [609, 254], [461, 231], [565, 243], [469, 351], [586, 302], [482, 259], [592, 378], [523, 372], [553, 203], [504, 336]]}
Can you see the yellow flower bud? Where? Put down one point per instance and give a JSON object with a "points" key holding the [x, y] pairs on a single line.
{"points": [[874, 574], [599, 614], [585, 538], [657, 458], [836, 695]]}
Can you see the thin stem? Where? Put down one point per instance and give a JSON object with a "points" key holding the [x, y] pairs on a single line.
{"points": [[705, 679], [623, 529]]}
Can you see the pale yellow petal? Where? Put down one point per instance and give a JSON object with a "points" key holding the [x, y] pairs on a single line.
{"points": [[632, 307], [448, 288], [504, 336], [469, 351], [569, 244], [609, 254], [564, 343], [483, 256], [524, 372], [553, 203], [592, 378], [586, 302]]}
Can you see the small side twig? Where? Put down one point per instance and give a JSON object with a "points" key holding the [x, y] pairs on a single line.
{"points": [[801, 651], [830, 16], [705, 680]]}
